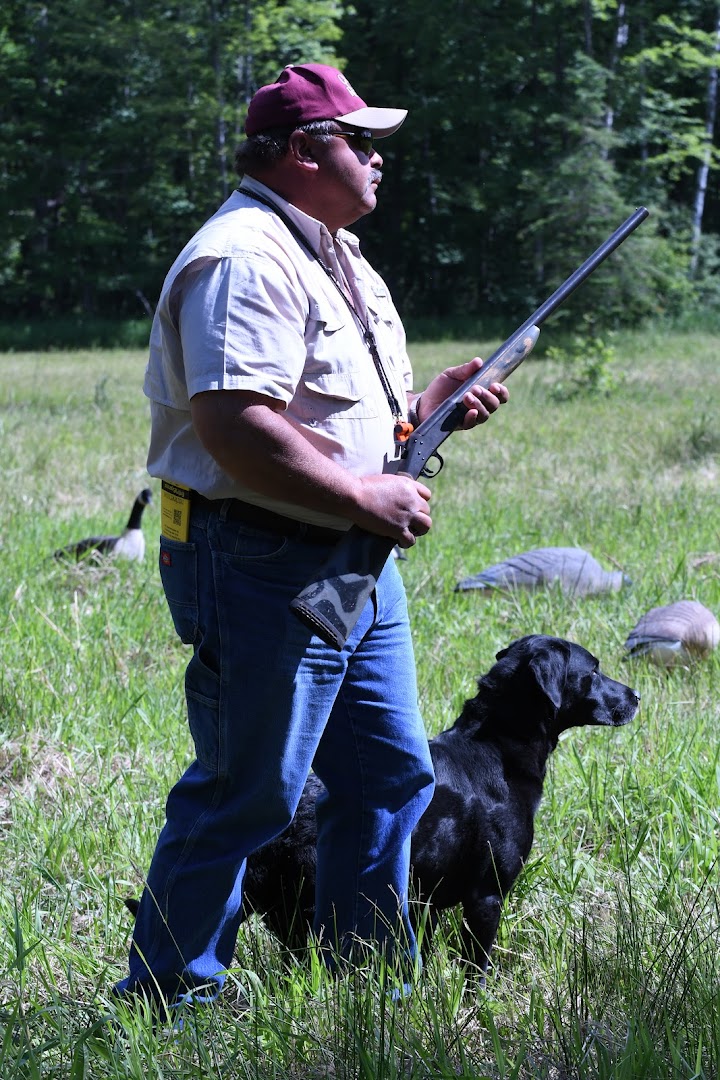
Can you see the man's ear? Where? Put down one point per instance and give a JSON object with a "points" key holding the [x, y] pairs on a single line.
{"points": [[303, 150]]}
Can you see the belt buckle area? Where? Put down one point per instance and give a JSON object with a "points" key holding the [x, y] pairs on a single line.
{"points": [[260, 517], [319, 534], [257, 516]]}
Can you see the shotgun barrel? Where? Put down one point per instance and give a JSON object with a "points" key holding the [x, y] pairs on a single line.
{"points": [[330, 604]]}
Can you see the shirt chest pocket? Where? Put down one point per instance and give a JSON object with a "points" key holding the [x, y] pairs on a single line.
{"points": [[339, 382], [380, 306], [385, 326], [336, 396]]}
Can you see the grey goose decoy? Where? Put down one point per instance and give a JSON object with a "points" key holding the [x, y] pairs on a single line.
{"points": [[130, 544], [575, 570], [674, 634]]}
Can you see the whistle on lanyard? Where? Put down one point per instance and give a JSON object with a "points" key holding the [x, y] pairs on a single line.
{"points": [[403, 431]]}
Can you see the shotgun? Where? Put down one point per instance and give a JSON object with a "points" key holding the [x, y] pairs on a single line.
{"points": [[330, 604]]}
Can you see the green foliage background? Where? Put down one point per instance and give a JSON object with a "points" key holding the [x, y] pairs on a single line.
{"points": [[534, 129]]}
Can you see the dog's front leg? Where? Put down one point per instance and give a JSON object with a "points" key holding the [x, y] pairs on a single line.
{"points": [[481, 918]]}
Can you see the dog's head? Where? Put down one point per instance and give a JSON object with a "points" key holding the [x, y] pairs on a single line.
{"points": [[558, 684]]}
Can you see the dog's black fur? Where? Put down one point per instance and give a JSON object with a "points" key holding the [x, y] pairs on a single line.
{"points": [[473, 839]]}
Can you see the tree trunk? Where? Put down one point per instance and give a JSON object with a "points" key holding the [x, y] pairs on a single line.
{"points": [[216, 60], [244, 68], [587, 23], [621, 36], [703, 171]]}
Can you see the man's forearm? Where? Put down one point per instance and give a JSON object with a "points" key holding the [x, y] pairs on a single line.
{"points": [[253, 442]]}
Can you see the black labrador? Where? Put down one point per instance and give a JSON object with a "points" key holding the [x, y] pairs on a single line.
{"points": [[472, 841], [475, 836]]}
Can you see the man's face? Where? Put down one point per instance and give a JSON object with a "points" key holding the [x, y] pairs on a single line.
{"points": [[350, 172]]}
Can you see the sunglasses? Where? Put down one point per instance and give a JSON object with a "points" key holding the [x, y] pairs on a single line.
{"points": [[362, 140]]}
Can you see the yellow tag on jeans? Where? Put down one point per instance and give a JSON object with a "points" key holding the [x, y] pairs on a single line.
{"points": [[175, 511]]}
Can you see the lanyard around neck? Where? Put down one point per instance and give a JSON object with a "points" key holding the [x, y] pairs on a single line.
{"points": [[401, 432]]}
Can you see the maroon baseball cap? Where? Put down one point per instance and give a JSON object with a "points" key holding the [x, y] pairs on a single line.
{"points": [[305, 92]]}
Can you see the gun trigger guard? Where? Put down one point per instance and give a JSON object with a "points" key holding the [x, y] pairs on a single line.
{"points": [[429, 473]]}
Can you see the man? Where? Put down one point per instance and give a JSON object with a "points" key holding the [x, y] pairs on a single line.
{"points": [[278, 376]]}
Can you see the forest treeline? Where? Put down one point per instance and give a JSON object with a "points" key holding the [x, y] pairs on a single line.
{"points": [[535, 127]]}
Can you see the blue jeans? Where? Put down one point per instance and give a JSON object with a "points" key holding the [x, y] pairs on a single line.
{"points": [[267, 700]]}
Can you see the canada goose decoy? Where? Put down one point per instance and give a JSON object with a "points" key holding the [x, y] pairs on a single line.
{"points": [[130, 544], [576, 571], [675, 634]]}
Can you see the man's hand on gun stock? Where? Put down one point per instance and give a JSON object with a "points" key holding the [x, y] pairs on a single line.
{"points": [[396, 505]]}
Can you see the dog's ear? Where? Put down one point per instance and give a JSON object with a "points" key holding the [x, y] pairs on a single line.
{"points": [[549, 669], [513, 646]]}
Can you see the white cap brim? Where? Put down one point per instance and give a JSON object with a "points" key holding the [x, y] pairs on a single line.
{"points": [[379, 122]]}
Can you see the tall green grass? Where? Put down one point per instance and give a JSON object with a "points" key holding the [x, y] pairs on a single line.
{"points": [[606, 963]]}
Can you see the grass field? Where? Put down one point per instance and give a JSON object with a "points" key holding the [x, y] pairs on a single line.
{"points": [[607, 961]]}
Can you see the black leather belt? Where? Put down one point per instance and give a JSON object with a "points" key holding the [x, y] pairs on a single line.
{"points": [[260, 518]]}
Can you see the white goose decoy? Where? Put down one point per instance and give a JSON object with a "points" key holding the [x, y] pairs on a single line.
{"points": [[130, 544], [577, 572], [675, 634]]}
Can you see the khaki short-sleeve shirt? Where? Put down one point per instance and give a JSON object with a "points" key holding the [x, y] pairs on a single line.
{"points": [[246, 307]]}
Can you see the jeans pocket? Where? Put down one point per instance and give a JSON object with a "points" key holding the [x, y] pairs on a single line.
{"points": [[245, 542], [178, 572]]}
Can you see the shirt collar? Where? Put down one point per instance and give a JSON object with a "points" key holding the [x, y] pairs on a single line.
{"points": [[312, 229], [318, 235]]}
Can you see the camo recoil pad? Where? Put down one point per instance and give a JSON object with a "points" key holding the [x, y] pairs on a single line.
{"points": [[331, 603]]}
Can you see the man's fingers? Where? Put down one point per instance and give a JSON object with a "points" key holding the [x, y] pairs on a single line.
{"points": [[500, 391], [417, 527], [481, 402], [490, 396], [395, 504]]}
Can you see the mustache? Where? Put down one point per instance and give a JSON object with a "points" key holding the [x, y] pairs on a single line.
{"points": [[375, 176]]}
